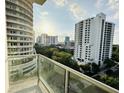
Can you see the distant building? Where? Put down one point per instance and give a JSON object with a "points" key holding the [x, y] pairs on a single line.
{"points": [[72, 45], [42, 39], [93, 40], [46, 40], [67, 41], [52, 40]]}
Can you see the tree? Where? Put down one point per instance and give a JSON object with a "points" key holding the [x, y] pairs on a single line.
{"points": [[90, 69], [115, 53], [95, 68], [73, 64], [109, 63], [62, 57], [113, 73], [109, 72], [86, 69], [111, 81], [50, 52]]}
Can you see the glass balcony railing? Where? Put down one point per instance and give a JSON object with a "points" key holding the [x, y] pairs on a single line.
{"points": [[49, 76]]}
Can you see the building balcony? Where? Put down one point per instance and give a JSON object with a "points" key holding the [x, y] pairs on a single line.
{"points": [[19, 11], [18, 16], [20, 35], [19, 46], [19, 23], [19, 52], [50, 76], [25, 5], [20, 29], [19, 40]]}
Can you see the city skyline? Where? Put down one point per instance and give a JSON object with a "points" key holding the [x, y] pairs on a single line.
{"points": [[59, 17]]}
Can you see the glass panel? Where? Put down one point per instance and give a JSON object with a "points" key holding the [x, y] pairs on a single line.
{"points": [[52, 75], [80, 85]]}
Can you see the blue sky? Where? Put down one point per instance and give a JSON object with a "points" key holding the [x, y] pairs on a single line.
{"points": [[58, 17]]}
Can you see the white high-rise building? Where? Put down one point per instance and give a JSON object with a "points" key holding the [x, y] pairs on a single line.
{"points": [[42, 39], [20, 35], [93, 40], [46, 40], [52, 40]]}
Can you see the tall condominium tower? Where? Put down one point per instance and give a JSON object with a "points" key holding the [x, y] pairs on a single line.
{"points": [[93, 40], [20, 35]]}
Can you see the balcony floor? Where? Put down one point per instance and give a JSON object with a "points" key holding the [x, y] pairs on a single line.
{"points": [[33, 89], [26, 86]]}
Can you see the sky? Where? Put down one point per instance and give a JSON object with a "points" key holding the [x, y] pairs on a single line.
{"points": [[58, 17]]}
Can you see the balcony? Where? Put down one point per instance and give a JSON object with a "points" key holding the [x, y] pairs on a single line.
{"points": [[20, 35], [19, 46], [19, 23], [53, 77], [13, 14]]}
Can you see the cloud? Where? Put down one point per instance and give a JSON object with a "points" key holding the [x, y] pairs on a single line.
{"points": [[98, 3], [109, 4], [111, 7], [113, 4], [44, 13], [76, 11], [116, 15], [60, 2]]}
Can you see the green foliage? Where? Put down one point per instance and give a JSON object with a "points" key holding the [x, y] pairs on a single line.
{"points": [[95, 68], [47, 50], [115, 53], [67, 50], [115, 56], [90, 69], [112, 73], [111, 81], [60, 55], [86, 68], [109, 63]]}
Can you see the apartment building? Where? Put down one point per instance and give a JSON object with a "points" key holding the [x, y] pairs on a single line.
{"points": [[52, 40], [93, 40], [67, 42], [42, 39], [20, 35], [46, 40]]}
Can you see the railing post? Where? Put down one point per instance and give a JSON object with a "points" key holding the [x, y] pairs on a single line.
{"points": [[66, 81], [38, 60]]}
